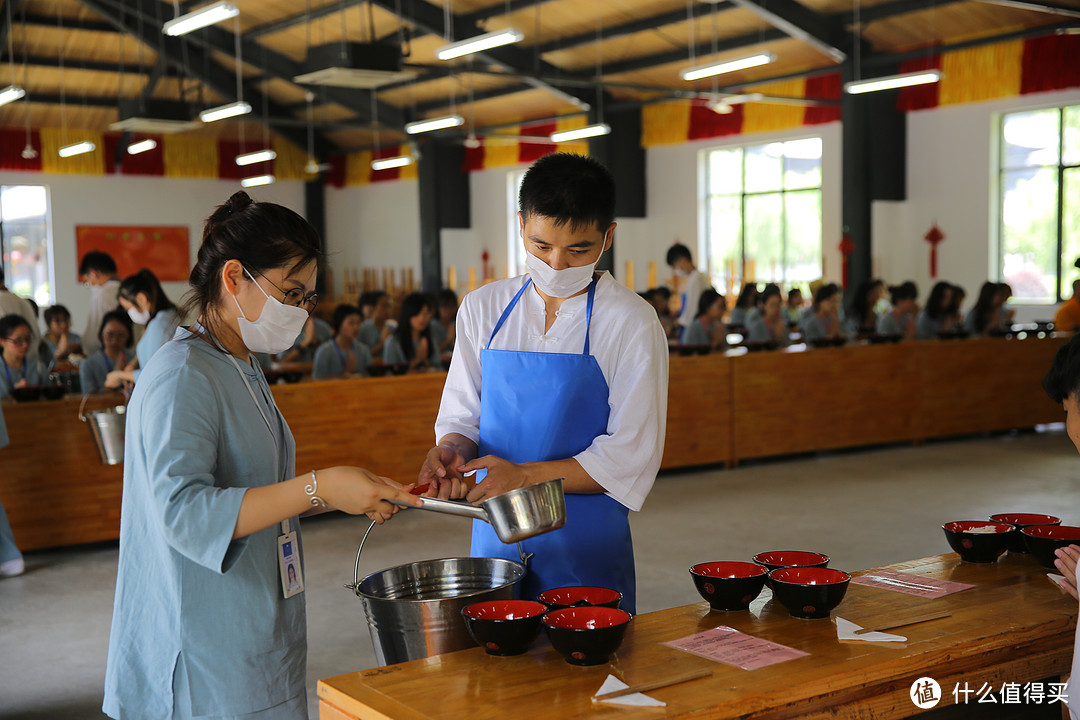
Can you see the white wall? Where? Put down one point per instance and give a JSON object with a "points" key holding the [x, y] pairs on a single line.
{"points": [[131, 200], [951, 181], [373, 226]]}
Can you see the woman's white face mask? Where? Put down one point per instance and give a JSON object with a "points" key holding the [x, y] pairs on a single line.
{"points": [[277, 327]]}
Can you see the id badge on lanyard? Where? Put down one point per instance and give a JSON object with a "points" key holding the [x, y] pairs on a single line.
{"points": [[288, 547]]}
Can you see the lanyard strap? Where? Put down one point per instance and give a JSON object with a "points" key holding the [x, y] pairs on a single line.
{"points": [[340, 354], [7, 371], [588, 312], [108, 363]]}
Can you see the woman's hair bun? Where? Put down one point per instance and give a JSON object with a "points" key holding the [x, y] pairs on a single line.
{"points": [[237, 203]]}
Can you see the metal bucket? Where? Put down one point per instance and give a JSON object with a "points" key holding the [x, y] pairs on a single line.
{"points": [[107, 429], [414, 610]]}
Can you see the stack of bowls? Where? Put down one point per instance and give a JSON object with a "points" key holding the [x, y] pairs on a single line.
{"points": [[777, 559]]}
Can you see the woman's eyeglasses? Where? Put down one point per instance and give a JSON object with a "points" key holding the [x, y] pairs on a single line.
{"points": [[295, 296], [24, 340]]}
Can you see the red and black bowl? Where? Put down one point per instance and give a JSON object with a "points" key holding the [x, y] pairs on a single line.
{"points": [[586, 635], [1043, 540], [1021, 521], [729, 585], [504, 627], [809, 592], [580, 596], [978, 541], [776, 559]]}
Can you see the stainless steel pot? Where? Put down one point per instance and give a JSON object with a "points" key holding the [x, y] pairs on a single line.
{"points": [[515, 515]]}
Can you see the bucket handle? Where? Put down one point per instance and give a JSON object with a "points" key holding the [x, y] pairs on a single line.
{"points": [[82, 405], [355, 585]]}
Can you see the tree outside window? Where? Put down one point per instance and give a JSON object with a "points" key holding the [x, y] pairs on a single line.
{"points": [[1039, 180], [25, 241], [763, 213]]}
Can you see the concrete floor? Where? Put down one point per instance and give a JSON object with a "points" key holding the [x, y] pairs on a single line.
{"points": [[864, 508]]}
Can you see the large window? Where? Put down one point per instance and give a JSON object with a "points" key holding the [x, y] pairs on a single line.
{"points": [[763, 213], [24, 241], [1040, 202]]}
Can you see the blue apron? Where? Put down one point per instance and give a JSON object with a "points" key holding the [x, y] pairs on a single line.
{"points": [[537, 406]]}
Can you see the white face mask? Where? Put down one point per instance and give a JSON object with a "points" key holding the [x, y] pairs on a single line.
{"points": [[276, 329], [681, 272], [139, 317], [559, 283]]}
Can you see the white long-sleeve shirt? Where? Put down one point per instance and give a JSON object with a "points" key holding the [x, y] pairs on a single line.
{"points": [[629, 345]]}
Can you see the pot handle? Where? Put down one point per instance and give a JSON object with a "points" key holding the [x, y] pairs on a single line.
{"points": [[449, 507]]}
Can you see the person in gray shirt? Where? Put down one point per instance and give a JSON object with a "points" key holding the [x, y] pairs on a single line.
{"points": [[769, 325], [824, 322], [935, 317], [707, 328], [901, 319]]}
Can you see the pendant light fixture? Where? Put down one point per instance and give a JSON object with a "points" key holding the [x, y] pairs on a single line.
{"points": [[390, 162], [67, 150], [141, 146], [888, 82], [257, 180], [12, 92], [892, 82], [239, 107], [267, 153], [479, 43], [28, 151], [599, 127], [726, 66], [197, 19]]}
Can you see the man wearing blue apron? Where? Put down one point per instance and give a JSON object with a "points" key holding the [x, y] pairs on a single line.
{"points": [[558, 373]]}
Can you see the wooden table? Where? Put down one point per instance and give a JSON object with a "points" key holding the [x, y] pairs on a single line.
{"points": [[1014, 626]]}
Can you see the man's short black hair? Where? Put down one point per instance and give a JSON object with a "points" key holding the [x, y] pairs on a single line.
{"points": [[677, 252], [97, 260], [569, 189], [1063, 378]]}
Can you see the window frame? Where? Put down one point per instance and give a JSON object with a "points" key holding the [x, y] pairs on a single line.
{"points": [[705, 201], [49, 245], [999, 180]]}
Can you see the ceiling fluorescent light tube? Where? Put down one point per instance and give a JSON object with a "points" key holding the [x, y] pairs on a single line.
{"points": [[581, 133], [224, 111], [76, 149], [479, 43], [255, 157], [200, 18], [393, 162], [257, 180], [894, 81], [141, 146], [10, 94], [719, 68], [439, 123]]}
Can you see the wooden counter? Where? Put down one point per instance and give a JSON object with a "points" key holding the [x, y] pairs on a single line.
{"points": [[1014, 626], [721, 409]]}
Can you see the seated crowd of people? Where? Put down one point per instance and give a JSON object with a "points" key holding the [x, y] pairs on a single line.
{"points": [[766, 317], [130, 318]]}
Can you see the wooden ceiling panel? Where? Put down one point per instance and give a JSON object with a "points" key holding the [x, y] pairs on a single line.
{"points": [[50, 116], [952, 23], [562, 18], [357, 26], [792, 57], [519, 107], [73, 45], [441, 88], [357, 138], [730, 23]]}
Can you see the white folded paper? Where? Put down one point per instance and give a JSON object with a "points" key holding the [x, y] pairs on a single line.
{"points": [[845, 630], [1058, 580], [639, 699]]}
